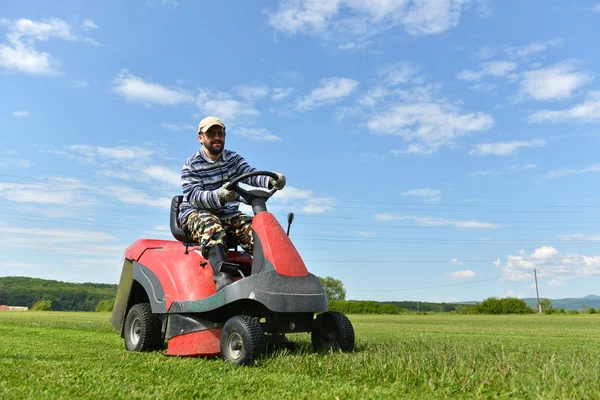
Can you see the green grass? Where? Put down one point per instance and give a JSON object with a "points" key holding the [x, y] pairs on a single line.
{"points": [[79, 355]]}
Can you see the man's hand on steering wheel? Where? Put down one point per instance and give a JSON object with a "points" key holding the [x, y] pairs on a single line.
{"points": [[278, 183]]}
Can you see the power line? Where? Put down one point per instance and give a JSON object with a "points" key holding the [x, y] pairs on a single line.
{"points": [[416, 261], [431, 287], [128, 186], [322, 238], [129, 225], [535, 210]]}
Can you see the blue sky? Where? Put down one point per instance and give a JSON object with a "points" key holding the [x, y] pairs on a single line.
{"points": [[434, 150]]}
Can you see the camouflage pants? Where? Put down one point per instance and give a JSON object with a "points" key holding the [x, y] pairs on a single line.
{"points": [[207, 229]]}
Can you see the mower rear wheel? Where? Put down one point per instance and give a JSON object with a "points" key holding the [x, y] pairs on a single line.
{"points": [[242, 340], [332, 330], [142, 329]]}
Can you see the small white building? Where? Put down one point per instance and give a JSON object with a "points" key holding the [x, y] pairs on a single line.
{"points": [[13, 308]]}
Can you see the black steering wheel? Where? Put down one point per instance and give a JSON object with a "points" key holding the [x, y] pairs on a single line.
{"points": [[248, 194]]}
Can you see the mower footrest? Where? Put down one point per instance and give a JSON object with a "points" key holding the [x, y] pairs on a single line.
{"points": [[229, 268]]}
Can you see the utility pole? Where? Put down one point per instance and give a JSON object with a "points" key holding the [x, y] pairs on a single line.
{"points": [[537, 292]]}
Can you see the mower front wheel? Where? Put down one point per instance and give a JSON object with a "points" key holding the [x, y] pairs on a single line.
{"points": [[332, 330], [142, 329], [242, 340]]}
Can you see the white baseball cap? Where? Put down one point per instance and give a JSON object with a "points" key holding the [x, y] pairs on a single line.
{"points": [[207, 122]]}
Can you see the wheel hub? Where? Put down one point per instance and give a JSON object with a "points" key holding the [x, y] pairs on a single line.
{"points": [[135, 331], [235, 345]]}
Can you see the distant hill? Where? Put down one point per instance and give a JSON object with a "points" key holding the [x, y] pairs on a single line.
{"points": [[425, 306], [569, 303], [65, 296]]}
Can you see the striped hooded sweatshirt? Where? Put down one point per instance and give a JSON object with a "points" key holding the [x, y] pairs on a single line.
{"points": [[201, 177]]}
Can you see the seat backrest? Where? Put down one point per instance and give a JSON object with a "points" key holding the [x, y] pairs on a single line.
{"points": [[176, 229], [178, 232]]}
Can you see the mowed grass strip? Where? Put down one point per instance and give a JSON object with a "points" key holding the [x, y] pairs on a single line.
{"points": [[79, 355]]}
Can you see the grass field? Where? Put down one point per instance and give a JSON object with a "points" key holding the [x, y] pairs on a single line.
{"points": [[79, 355]]}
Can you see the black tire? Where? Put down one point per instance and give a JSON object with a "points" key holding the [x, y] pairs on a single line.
{"points": [[142, 331], [332, 330], [242, 340]]}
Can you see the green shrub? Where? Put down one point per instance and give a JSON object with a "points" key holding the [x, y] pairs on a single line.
{"points": [[507, 305], [363, 307], [42, 305], [573, 312], [592, 310], [470, 309], [105, 306]]}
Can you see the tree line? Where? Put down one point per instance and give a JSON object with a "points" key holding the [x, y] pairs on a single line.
{"points": [[49, 295], [54, 295]]}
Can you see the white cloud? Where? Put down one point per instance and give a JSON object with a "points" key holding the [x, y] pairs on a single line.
{"points": [[88, 24], [484, 87], [422, 192], [588, 111], [431, 125], [123, 152], [348, 46], [555, 82], [394, 74], [433, 221], [432, 195], [516, 167], [224, 106], [517, 295], [432, 16], [534, 48], [580, 236], [54, 191], [257, 134], [496, 68], [466, 274], [364, 234], [252, 92], [129, 163], [21, 114], [303, 16], [163, 174], [548, 261], [302, 200], [40, 30], [556, 282], [281, 93], [597, 7], [76, 84], [137, 197], [318, 205], [484, 172], [485, 52], [330, 91], [58, 235], [456, 261], [136, 89], [366, 17], [544, 253], [504, 148], [21, 54], [291, 193], [178, 127], [559, 173], [26, 59]]}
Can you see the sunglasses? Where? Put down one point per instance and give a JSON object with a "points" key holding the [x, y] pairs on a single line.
{"points": [[211, 135]]}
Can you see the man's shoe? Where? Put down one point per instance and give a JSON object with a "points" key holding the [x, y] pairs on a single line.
{"points": [[217, 257]]}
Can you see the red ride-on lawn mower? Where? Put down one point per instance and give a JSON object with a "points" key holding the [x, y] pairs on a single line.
{"points": [[167, 292]]}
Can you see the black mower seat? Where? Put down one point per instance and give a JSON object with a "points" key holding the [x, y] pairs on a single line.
{"points": [[183, 237]]}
